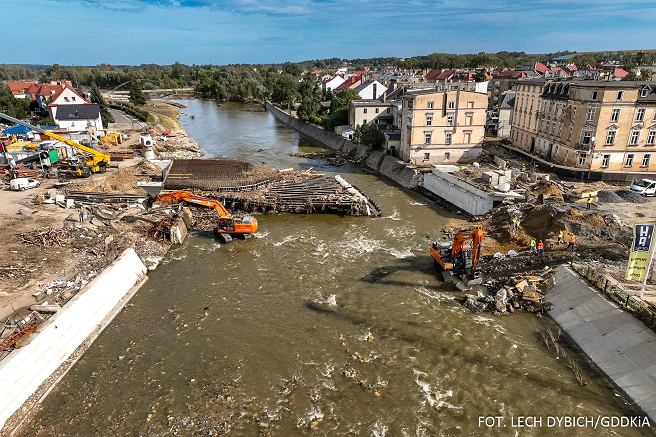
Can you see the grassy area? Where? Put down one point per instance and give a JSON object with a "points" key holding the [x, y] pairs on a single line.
{"points": [[163, 113]]}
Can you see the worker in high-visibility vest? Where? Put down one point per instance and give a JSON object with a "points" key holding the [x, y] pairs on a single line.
{"points": [[532, 245], [590, 200], [571, 242], [561, 236], [540, 248]]}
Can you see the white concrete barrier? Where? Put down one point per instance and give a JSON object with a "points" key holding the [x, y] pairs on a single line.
{"points": [[458, 192], [25, 369]]}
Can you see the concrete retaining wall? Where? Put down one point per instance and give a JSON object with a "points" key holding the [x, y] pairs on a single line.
{"points": [[377, 161], [459, 193], [83, 317], [613, 289], [399, 172], [327, 138]]}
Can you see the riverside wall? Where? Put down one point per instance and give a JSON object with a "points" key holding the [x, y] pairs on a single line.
{"points": [[374, 160], [28, 373]]}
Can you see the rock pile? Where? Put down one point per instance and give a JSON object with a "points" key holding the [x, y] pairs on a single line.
{"points": [[525, 292]]}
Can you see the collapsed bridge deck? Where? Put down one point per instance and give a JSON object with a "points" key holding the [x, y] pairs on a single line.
{"points": [[261, 189]]}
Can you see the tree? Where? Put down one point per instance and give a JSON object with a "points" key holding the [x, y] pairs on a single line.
{"points": [[631, 76], [292, 69], [137, 96], [343, 98], [97, 97], [285, 90], [339, 108], [480, 76], [17, 108], [310, 96], [369, 135]]}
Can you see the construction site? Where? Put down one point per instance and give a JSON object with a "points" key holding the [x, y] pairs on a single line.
{"points": [[586, 223], [66, 230], [151, 189]]}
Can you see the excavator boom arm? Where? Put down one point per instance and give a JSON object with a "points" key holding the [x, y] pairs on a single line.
{"points": [[186, 196]]}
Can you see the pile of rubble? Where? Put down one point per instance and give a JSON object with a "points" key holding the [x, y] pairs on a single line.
{"points": [[46, 237], [177, 146], [525, 291], [333, 158], [546, 221]]}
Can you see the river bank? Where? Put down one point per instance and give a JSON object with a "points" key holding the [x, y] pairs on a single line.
{"points": [[59, 251], [324, 324]]}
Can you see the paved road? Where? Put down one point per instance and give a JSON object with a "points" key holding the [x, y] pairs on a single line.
{"points": [[123, 121], [621, 345]]}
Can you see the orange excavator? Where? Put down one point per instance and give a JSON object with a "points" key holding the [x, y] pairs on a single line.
{"points": [[229, 225], [460, 256]]}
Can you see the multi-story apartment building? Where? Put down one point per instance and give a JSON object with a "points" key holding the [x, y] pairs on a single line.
{"points": [[595, 125], [442, 127], [525, 114]]}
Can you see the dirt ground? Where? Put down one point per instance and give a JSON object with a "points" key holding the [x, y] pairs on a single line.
{"points": [[23, 268], [69, 252]]}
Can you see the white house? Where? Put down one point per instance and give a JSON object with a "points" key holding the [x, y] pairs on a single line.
{"points": [[66, 96], [332, 83], [371, 90], [79, 118]]}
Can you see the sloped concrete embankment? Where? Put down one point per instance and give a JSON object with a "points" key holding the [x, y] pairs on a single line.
{"points": [[375, 160], [28, 373], [618, 343]]}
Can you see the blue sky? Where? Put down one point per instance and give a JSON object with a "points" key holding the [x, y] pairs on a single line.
{"points": [[89, 32]]}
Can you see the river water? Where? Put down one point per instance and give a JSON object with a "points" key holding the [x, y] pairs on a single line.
{"points": [[322, 325]]}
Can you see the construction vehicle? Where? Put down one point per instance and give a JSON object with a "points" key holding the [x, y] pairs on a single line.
{"points": [[112, 139], [460, 256], [229, 225], [92, 161]]}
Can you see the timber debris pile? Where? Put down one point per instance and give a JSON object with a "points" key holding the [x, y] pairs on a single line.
{"points": [[261, 189]]}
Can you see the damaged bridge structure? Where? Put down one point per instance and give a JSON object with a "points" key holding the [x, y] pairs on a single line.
{"points": [[259, 189]]}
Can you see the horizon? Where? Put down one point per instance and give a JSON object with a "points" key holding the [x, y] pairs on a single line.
{"points": [[342, 59], [211, 32]]}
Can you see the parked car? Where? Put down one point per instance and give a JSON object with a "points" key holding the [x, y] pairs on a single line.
{"points": [[646, 187], [20, 184]]}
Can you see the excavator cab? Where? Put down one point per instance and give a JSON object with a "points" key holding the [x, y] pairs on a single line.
{"points": [[227, 224]]}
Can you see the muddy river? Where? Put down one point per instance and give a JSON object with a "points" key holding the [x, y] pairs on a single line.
{"points": [[322, 325]]}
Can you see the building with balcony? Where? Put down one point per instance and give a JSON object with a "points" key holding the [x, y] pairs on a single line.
{"points": [[593, 125], [442, 127]]}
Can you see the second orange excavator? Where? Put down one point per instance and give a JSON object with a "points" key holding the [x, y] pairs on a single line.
{"points": [[460, 256], [229, 226]]}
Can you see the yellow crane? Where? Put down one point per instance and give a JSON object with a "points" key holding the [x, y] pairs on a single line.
{"points": [[93, 161]]}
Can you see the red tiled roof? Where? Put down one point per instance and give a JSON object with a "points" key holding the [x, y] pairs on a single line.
{"points": [[571, 67], [57, 93], [620, 72], [17, 87], [512, 74], [540, 68], [40, 89], [432, 74], [445, 74], [348, 83]]}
